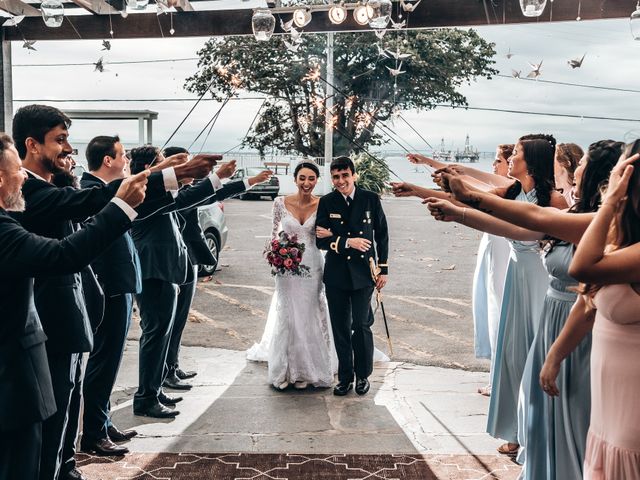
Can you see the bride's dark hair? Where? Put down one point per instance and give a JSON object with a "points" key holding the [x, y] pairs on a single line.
{"points": [[306, 164]]}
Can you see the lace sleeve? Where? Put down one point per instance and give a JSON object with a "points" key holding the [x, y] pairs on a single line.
{"points": [[276, 215]]}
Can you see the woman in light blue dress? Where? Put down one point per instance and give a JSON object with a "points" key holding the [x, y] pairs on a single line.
{"points": [[488, 279], [552, 430], [531, 165]]}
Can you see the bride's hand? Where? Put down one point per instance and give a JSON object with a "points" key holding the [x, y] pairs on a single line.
{"points": [[322, 232]]}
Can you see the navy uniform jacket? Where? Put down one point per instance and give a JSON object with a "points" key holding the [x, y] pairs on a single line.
{"points": [[163, 253], [347, 268], [118, 267], [26, 394], [60, 298]]}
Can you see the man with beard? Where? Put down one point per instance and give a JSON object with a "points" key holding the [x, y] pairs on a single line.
{"points": [[41, 136], [26, 393]]}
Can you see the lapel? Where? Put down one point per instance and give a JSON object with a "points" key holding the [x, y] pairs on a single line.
{"points": [[356, 206]]}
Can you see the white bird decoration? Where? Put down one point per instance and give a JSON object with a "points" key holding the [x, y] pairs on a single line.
{"points": [[106, 45], [292, 47], [286, 26], [398, 25], [381, 51], [516, 73], [509, 54], [99, 66], [380, 33], [535, 73], [28, 44], [576, 63], [296, 36], [13, 21], [409, 7], [396, 71]]}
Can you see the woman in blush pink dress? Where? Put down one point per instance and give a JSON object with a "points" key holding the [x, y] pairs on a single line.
{"points": [[608, 261]]}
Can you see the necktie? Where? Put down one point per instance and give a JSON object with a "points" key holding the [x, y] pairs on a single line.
{"points": [[348, 200]]}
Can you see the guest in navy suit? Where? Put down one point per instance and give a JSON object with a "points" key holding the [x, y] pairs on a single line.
{"points": [[165, 262], [41, 136], [27, 395]]}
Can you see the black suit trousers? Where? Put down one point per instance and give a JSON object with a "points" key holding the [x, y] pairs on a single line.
{"points": [[73, 423], [185, 299], [20, 452], [65, 369], [157, 304], [351, 320], [103, 365]]}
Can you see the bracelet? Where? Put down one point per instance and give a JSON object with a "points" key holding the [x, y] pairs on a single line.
{"points": [[464, 211]]}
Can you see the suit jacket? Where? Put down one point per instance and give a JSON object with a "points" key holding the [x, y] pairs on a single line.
{"points": [[348, 268], [118, 267], [193, 236], [26, 394], [60, 299], [163, 253]]}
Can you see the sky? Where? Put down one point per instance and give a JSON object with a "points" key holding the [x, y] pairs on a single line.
{"points": [[611, 61]]}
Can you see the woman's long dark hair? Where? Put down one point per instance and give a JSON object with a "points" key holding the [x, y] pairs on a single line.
{"points": [[539, 151], [601, 158], [627, 226]]}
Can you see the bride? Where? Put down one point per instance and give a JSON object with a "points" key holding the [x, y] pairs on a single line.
{"points": [[297, 342]]}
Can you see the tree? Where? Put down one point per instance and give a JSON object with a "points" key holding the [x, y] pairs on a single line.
{"points": [[372, 175], [292, 117]]}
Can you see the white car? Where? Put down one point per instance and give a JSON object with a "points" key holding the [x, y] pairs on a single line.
{"points": [[215, 230]]}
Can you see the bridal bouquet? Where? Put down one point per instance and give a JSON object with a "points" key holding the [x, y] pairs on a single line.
{"points": [[284, 254]]}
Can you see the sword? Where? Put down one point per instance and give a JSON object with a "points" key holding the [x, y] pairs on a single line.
{"points": [[375, 271]]}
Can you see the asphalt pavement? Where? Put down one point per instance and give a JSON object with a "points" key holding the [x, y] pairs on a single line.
{"points": [[427, 299]]}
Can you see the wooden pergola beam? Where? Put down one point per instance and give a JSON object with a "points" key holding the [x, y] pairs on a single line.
{"points": [[205, 23], [97, 7], [18, 7]]}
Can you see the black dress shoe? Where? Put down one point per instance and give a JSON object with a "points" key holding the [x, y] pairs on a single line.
{"points": [[167, 400], [342, 388], [74, 474], [117, 435], [362, 386], [156, 411], [172, 381], [104, 447], [182, 375]]}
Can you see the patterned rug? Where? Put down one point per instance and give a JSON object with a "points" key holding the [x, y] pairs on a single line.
{"points": [[243, 466]]}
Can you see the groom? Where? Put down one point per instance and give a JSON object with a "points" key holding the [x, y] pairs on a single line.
{"points": [[355, 218]]}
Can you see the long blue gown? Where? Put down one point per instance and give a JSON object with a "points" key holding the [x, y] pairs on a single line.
{"points": [[525, 287], [553, 430], [488, 287]]}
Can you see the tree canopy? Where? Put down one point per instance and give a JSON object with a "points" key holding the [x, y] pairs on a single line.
{"points": [[292, 75]]}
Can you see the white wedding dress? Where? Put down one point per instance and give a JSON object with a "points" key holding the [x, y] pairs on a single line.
{"points": [[297, 341]]}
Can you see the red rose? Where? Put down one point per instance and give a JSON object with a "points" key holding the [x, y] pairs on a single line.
{"points": [[288, 263], [283, 251], [277, 261]]}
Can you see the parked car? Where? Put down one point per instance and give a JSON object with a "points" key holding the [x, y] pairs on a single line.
{"points": [[215, 230], [267, 189]]}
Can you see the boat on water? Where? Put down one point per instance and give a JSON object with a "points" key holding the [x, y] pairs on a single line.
{"points": [[468, 155]]}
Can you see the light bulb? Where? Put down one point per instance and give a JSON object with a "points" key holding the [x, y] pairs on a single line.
{"points": [[532, 8], [301, 17], [52, 13], [263, 23], [380, 13], [337, 14], [361, 14]]}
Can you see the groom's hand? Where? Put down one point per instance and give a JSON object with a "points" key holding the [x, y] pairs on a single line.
{"points": [[361, 244], [381, 281]]}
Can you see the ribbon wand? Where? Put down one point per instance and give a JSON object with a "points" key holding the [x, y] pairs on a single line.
{"points": [[375, 271]]}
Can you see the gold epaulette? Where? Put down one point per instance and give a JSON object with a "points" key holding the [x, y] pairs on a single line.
{"points": [[383, 264]]}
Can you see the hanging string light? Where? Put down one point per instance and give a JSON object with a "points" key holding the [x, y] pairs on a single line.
{"points": [[532, 8], [362, 13], [301, 17], [337, 13], [263, 24], [52, 13]]}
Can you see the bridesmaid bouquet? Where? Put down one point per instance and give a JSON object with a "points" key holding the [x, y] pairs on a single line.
{"points": [[284, 254]]}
